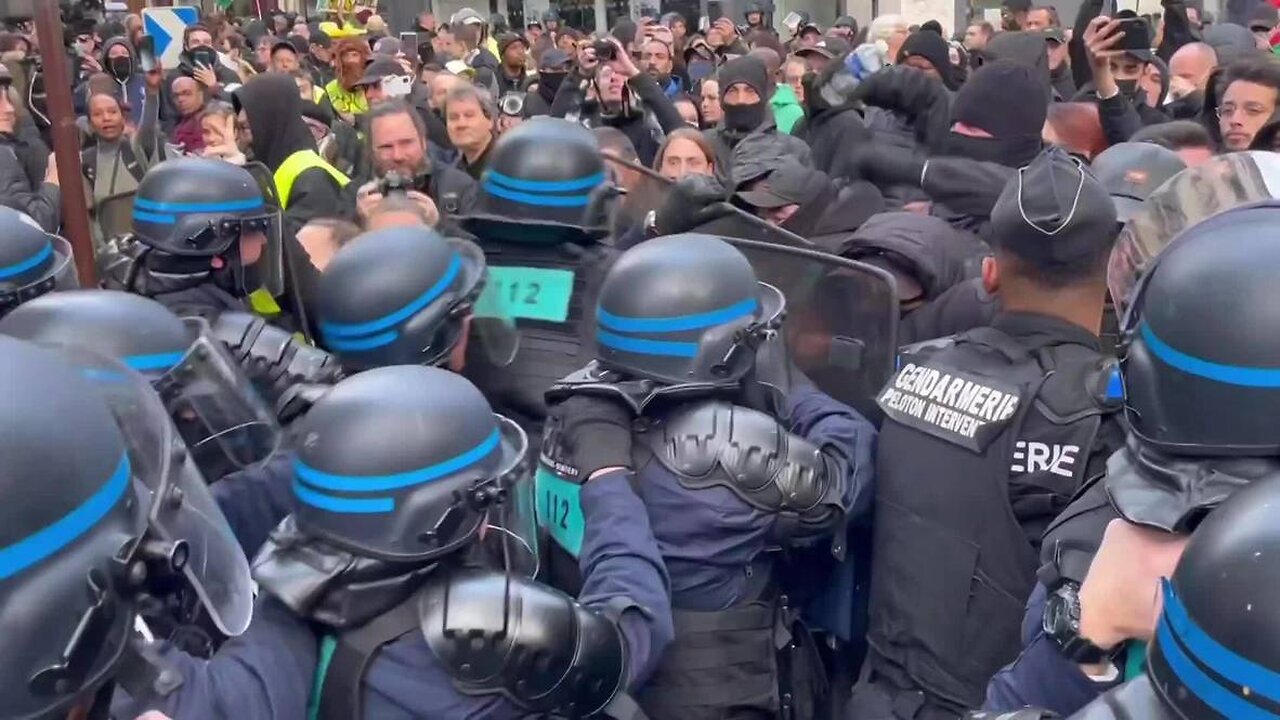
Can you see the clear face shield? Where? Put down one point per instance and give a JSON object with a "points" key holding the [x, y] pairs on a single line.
{"points": [[61, 276], [506, 293], [185, 526], [1195, 194], [511, 532], [215, 407]]}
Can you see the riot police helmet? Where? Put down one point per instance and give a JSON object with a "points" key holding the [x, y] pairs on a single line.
{"points": [[197, 216], [684, 309], [403, 464], [1214, 654], [69, 511], [1200, 360], [545, 183], [222, 420], [398, 296], [32, 262]]}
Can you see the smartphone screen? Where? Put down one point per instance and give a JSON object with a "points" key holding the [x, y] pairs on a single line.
{"points": [[408, 42]]}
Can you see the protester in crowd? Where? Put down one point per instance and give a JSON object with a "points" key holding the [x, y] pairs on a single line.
{"points": [[401, 211], [1127, 82], [1013, 14], [1041, 17], [1248, 102], [658, 59], [1190, 68], [319, 59], [927, 52], [234, 50], [471, 119], [1075, 127], [344, 91], [688, 108], [1060, 75], [119, 157], [684, 152], [221, 139], [284, 57], [977, 35], [709, 103], [121, 64], [189, 98], [514, 55], [28, 178], [783, 103], [553, 67], [745, 85], [888, 32]]}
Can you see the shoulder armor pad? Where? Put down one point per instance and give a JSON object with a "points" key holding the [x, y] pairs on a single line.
{"points": [[273, 358], [501, 634], [718, 443]]}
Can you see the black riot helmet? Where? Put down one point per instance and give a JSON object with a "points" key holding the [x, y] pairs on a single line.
{"points": [[685, 309], [545, 183], [189, 211], [398, 296], [221, 418], [403, 463], [1200, 352], [69, 510], [1214, 653], [32, 262]]}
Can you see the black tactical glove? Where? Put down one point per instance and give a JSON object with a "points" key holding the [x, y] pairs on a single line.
{"points": [[595, 433], [692, 201], [918, 96], [882, 165]]}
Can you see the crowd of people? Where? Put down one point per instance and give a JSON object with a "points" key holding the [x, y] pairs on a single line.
{"points": [[688, 370]]}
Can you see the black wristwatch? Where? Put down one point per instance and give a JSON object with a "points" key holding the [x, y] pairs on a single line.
{"points": [[1062, 624]]}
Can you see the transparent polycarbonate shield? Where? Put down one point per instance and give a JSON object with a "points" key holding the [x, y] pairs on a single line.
{"points": [[182, 512], [513, 523], [1193, 195]]}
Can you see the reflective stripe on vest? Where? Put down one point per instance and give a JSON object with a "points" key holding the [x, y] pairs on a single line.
{"points": [[296, 164]]}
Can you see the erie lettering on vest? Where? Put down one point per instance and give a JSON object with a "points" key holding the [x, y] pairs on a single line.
{"points": [[952, 405]]}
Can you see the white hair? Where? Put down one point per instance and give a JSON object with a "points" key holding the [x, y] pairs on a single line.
{"points": [[884, 26]]}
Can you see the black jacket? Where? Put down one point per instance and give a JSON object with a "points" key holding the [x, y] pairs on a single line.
{"points": [[832, 132], [25, 190], [645, 120]]}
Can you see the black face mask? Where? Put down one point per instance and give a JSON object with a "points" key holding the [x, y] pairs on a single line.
{"points": [[744, 118], [549, 83], [204, 55], [1008, 152], [121, 68], [1128, 88]]}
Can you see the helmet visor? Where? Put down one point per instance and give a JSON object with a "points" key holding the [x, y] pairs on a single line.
{"points": [[61, 276], [182, 512], [512, 523], [216, 408]]}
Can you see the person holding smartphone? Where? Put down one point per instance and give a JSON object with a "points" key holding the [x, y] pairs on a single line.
{"points": [[1129, 84]]}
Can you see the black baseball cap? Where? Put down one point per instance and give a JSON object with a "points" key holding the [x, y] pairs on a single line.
{"points": [[828, 47], [1054, 35], [381, 68], [790, 184], [1053, 212], [320, 37], [1131, 171], [283, 44]]}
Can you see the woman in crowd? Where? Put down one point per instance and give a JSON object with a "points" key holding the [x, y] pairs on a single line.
{"points": [[685, 152], [218, 126], [114, 163]]}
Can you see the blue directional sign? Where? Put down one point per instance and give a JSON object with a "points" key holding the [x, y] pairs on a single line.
{"points": [[166, 25]]}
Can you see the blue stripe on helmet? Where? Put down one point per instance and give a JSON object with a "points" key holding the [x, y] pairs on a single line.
{"points": [[536, 200], [362, 344], [344, 330], [160, 219], [1218, 372], [647, 347], [34, 261], [198, 207], [343, 505], [45, 542], [545, 186], [1226, 662], [157, 361], [383, 483], [678, 323]]}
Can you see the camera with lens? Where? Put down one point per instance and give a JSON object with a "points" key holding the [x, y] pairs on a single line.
{"points": [[398, 183], [605, 50]]}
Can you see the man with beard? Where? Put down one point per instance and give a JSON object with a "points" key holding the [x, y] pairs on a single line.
{"points": [[401, 162], [553, 68], [344, 91], [659, 62]]}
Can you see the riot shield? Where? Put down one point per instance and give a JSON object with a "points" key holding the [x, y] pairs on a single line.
{"points": [[841, 320], [1192, 195]]}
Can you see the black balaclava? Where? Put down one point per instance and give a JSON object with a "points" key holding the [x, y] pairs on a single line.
{"points": [[750, 71], [1003, 99]]}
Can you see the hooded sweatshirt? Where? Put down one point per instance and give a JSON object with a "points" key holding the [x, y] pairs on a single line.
{"points": [[133, 86], [274, 110]]}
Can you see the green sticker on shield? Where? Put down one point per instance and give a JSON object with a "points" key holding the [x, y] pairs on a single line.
{"points": [[526, 292], [559, 511]]}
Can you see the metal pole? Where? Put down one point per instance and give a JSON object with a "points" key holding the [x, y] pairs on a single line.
{"points": [[66, 141]]}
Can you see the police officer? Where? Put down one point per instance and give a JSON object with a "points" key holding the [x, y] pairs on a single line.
{"points": [[32, 262], [401, 295], [405, 554], [730, 464], [1213, 655], [987, 436], [231, 432], [77, 564], [1197, 433], [541, 217], [202, 239]]}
